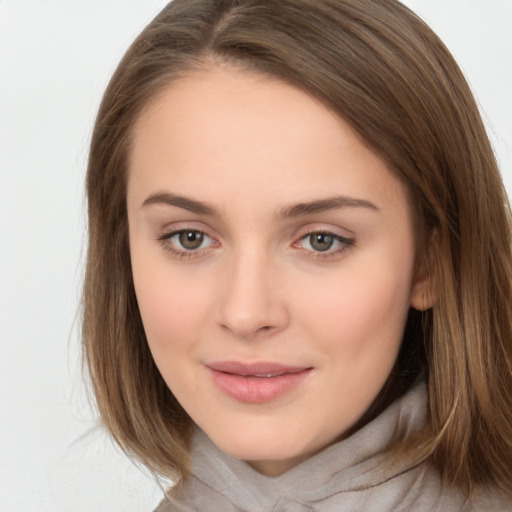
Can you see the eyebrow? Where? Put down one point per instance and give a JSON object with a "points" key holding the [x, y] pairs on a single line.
{"points": [[165, 198], [322, 205], [294, 210]]}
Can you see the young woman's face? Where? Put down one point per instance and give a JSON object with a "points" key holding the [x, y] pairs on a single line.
{"points": [[273, 260]]}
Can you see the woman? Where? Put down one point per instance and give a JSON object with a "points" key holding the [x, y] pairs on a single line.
{"points": [[298, 283]]}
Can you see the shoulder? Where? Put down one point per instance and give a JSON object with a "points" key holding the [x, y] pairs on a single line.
{"points": [[196, 496], [421, 489], [434, 496], [489, 501]]}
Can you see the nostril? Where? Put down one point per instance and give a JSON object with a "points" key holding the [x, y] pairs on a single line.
{"points": [[263, 330], [248, 333]]}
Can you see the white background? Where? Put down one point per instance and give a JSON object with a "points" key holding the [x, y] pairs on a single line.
{"points": [[55, 60]]}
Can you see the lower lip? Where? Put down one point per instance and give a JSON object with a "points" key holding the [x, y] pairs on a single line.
{"points": [[256, 390]]}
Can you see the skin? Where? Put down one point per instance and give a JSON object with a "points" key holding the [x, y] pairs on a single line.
{"points": [[256, 288]]}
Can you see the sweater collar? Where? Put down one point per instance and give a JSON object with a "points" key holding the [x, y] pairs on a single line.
{"points": [[355, 463]]}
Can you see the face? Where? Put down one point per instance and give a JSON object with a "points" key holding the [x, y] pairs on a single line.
{"points": [[273, 261]]}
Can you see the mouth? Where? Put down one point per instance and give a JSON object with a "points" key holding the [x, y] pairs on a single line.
{"points": [[256, 382]]}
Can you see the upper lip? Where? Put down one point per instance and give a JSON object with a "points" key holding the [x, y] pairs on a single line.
{"points": [[254, 369]]}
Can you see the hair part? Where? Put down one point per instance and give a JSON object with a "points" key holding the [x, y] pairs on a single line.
{"points": [[382, 70]]}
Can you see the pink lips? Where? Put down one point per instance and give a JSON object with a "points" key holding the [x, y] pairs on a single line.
{"points": [[256, 382]]}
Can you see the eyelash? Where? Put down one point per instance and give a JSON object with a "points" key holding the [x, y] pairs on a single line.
{"points": [[165, 241], [345, 244]]}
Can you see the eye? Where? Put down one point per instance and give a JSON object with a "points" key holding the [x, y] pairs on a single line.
{"points": [[324, 243], [321, 241], [190, 240], [184, 242]]}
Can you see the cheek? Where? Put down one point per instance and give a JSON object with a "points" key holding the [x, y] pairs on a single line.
{"points": [[171, 305], [172, 317], [361, 311]]}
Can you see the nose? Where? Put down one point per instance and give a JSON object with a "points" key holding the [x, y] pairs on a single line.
{"points": [[252, 303]]}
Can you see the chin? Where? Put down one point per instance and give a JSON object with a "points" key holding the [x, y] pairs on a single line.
{"points": [[275, 450]]}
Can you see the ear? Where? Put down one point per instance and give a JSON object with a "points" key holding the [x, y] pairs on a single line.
{"points": [[424, 288]]}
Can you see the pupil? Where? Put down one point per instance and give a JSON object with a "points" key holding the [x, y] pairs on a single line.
{"points": [[321, 242], [191, 239]]}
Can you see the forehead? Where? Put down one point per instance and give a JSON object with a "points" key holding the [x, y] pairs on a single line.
{"points": [[238, 133], [226, 104]]}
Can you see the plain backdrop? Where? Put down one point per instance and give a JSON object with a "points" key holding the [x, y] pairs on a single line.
{"points": [[55, 60]]}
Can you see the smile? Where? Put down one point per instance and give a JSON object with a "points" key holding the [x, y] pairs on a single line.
{"points": [[256, 382]]}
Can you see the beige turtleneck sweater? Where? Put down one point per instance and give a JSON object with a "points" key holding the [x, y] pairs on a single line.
{"points": [[349, 476]]}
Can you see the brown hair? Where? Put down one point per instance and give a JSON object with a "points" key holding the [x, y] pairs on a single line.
{"points": [[385, 72]]}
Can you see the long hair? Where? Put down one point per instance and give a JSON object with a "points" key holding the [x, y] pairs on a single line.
{"points": [[381, 69]]}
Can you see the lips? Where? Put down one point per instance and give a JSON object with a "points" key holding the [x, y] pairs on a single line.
{"points": [[256, 382]]}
